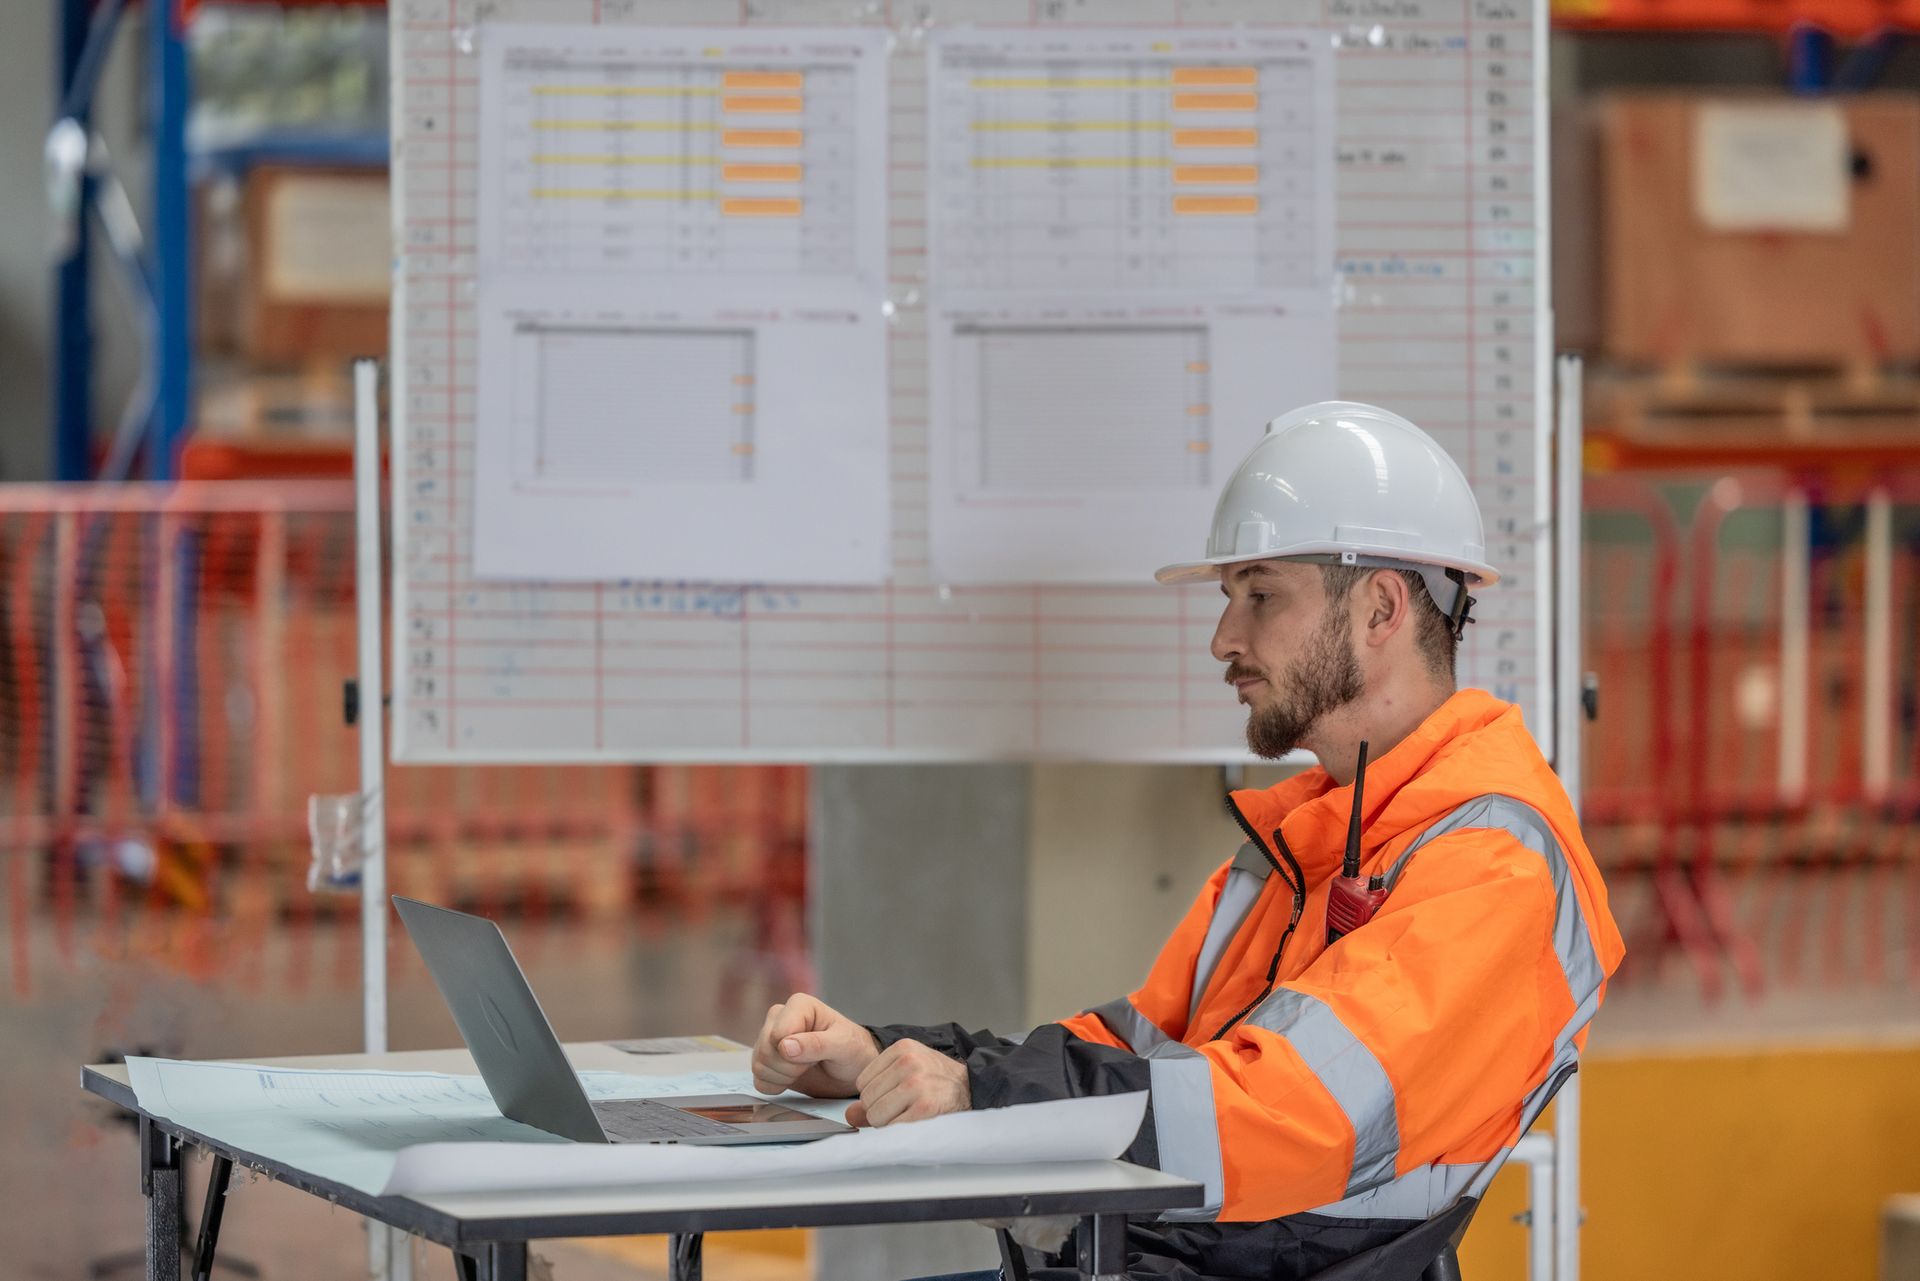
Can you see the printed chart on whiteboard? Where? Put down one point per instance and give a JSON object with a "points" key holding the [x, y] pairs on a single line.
{"points": [[1132, 266], [1055, 263], [680, 294]]}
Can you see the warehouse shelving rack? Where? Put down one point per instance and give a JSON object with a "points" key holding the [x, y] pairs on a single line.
{"points": [[85, 30]]}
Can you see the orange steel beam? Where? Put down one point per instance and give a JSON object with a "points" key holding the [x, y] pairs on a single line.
{"points": [[1842, 17]]}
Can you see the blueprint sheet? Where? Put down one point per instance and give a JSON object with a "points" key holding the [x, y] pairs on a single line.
{"points": [[397, 1133], [349, 1126]]}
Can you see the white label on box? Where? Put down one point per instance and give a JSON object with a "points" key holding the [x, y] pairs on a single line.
{"points": [[328, 240], [1772, 166]]}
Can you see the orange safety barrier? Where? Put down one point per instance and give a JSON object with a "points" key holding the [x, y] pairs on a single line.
{"points": [[172, 668], [1753, 780]]}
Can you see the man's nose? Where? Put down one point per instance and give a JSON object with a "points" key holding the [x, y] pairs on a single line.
{"points": [[1228, 644]]}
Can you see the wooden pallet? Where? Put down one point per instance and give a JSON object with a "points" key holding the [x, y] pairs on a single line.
{"points": [[1868, 415]]}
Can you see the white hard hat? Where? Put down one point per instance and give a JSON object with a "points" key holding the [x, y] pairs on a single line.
{"points": [[1344, 483]]}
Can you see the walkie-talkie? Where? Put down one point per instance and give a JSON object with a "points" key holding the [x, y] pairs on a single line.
{"points": [[1353, 899]]}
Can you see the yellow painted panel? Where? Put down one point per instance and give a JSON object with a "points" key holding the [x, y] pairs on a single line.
{"points": [[1730, 1166]]}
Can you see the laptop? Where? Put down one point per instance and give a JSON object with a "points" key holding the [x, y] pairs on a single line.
{"points": [[527, 1072]]}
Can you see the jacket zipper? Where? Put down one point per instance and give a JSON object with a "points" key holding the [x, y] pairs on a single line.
{"points": [[1297, 882]]}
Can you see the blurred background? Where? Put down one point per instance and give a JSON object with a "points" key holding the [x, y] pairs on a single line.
{"points": [[1751, 620]]}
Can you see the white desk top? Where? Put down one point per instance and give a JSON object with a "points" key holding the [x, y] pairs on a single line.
{"points": [[893, 1195]]}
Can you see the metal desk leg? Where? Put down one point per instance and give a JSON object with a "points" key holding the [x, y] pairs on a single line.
{"points": [[217, 1180], [683, 1256], [160, 1182], [1102, 1242], [496, 1261], [507, 1261]]}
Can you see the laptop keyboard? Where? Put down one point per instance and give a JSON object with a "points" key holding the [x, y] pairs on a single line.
{"points": [[645, 1121]]}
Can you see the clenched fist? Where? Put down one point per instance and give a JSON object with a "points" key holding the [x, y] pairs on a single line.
{"points": [[811, 1047], [909, 1081]]}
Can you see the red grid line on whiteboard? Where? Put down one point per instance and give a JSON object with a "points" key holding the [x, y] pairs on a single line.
{"points": [[912, 669]]}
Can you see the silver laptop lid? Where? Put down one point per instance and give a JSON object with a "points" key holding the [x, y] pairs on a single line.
{"points": [[504, 1027]]}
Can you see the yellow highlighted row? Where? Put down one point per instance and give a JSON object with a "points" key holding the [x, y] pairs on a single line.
{"points": [[728, 137], [1182, 77], [1066, 82], [608, 158], [622, 193], [1068, 126], [1216, 204], [735, 206], [624, 91], [1070, 162], [1197, 411], [623, 126], [1216, 101], [728, 172]]}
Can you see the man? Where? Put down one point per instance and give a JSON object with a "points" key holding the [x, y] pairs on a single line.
{"points": [[1332, 1091]]}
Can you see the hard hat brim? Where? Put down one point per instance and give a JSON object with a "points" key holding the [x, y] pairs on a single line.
{"points": [[1197, 571]]}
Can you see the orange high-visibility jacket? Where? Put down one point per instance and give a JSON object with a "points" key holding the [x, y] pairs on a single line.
{"points": [[1379, 1073], [1380, 1079]]}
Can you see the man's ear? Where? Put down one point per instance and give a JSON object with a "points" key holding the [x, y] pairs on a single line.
{"points": [[1388, 605]]}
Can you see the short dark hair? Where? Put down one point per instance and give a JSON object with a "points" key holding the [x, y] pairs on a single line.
{"points": [[1433, 635]]}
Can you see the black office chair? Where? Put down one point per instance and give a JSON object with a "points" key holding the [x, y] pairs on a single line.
{"points": [[1426, 1252]]}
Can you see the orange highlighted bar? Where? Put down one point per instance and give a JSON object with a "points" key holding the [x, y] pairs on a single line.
{"points": [[1215, 175], [743, 409], [1216, 204], [742, 451], [743, 380], [1188, 77], [1197, 411], [759, 173], [761, 208], [1216, 101], [747, 106], [1198, 446], [761, 80], [1198, 366], [1216, 137], [759, 137]]}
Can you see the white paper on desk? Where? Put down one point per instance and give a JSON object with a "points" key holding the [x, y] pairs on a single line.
{"points": [[1089, 1129], [348, 1126]]}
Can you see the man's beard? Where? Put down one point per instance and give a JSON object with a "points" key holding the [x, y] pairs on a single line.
{"points": [[1323, 679]]}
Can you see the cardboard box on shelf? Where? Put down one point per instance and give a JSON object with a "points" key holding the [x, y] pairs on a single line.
{"points": [[313, 406], [1760, 230], [319, 265]]}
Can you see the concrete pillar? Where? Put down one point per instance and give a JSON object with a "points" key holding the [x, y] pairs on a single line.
{"points": [[997, 896], [919, 915]]}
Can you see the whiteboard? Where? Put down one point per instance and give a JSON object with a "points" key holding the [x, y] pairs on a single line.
{"points": [[1440, 314]]}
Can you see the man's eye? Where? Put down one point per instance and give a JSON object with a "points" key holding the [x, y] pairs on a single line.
{"points": [[1259, 596]]}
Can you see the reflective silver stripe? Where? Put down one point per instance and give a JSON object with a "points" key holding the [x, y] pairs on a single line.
{"points": [[1130, 1025], [1350, 1072], [1438, 1185], [1237, 897], [1185, 1125], [1418, 1194], [1572, 942], [1424, 1192]]}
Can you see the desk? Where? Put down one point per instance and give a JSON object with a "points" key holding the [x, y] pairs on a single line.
{"points": [[489, 1232]]}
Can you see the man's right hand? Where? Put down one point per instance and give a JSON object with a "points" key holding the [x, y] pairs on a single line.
{"points": [[811, 1047]]}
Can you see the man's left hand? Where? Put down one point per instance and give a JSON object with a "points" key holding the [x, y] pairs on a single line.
{"points": [[910, 1082]]}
